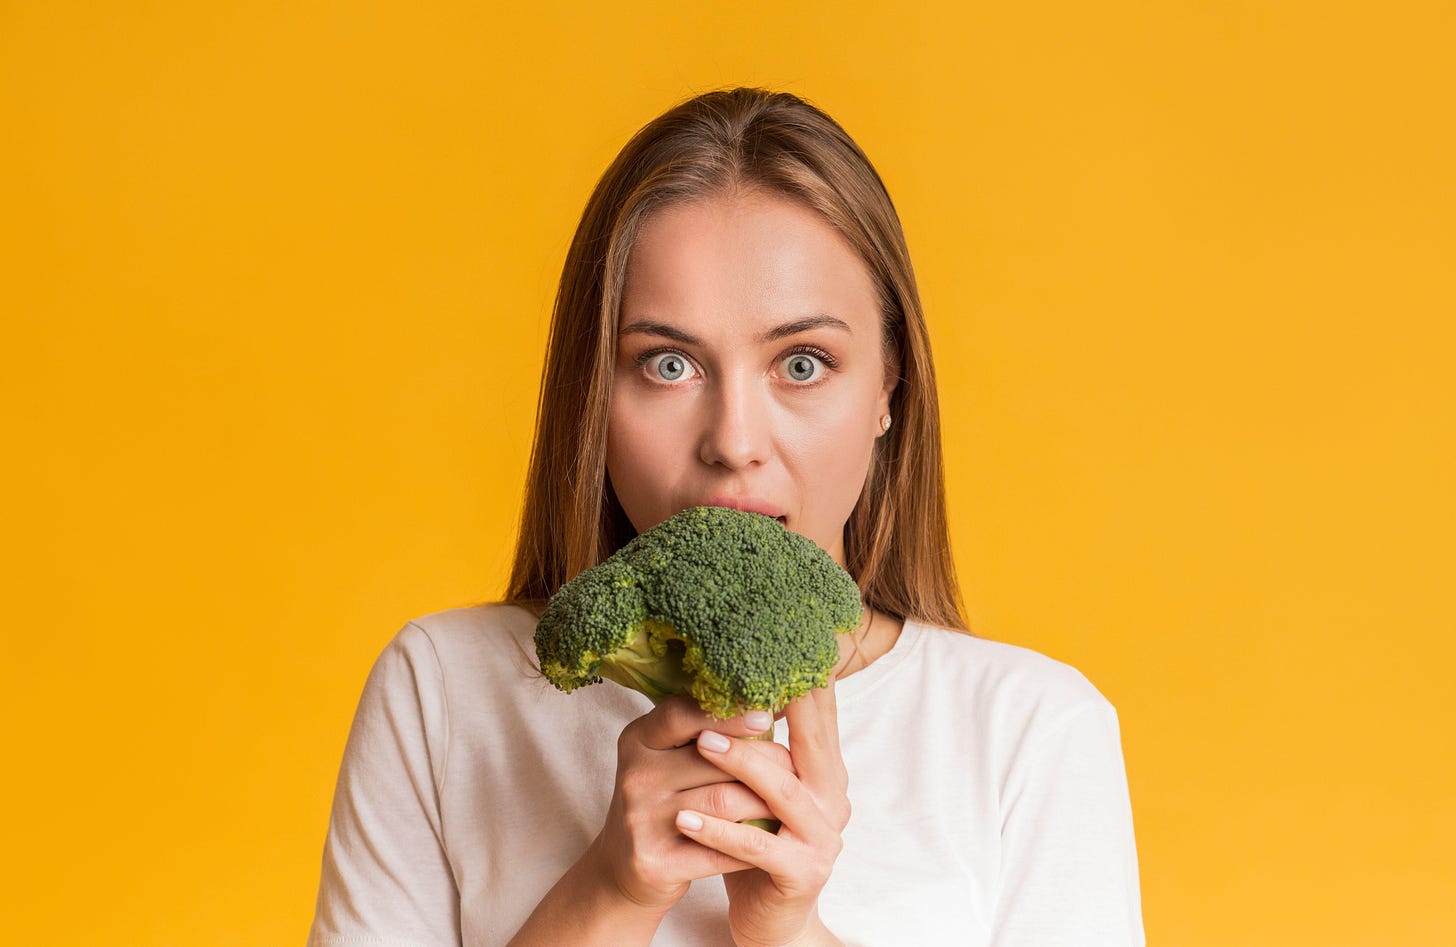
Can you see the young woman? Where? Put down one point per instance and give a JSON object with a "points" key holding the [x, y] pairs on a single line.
{"points": [[737, 325]]}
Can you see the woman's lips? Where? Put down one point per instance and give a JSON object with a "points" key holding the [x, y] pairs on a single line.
{"points": [[749, 505]]}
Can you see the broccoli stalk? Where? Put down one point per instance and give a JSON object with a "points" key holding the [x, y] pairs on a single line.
{"points": [[652, 662], [727, 606]]}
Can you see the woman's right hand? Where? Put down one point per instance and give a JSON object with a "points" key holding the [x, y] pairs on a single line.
{"points": [[659, 773]]}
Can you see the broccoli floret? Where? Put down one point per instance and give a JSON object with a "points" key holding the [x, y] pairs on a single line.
{"points": [[730, 607]]}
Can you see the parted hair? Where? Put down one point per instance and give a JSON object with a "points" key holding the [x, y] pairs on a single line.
{"points": [[896, 541]]}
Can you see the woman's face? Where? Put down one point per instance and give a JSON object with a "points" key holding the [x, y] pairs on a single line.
{"points": [[749, 368]]}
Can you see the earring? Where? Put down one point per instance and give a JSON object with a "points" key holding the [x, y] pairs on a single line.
{"points": [[885, 423]]}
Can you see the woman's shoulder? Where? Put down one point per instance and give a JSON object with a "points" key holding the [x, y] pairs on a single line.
{"points": [[469, 659], [468, 622], [465, 634], [463, 640], [1000, 677]]}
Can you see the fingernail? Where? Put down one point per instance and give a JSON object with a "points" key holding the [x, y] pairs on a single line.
{"points": [[713, 741], [689, 820], [758, 720]]}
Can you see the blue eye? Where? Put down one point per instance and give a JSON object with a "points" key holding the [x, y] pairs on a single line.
{"points": [[670, 366], [801, 366]]}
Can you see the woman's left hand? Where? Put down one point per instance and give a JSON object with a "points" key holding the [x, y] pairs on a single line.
{"points": [[776, 901]]}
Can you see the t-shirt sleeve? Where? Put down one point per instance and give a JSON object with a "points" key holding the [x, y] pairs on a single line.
{"points": [[386, 878], [1069, 872]]}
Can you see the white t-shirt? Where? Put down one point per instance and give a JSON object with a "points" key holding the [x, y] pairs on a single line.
{"points": [[990, 802]]}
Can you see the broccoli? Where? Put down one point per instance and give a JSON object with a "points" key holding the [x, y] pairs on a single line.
{"points": [[730, 607]]}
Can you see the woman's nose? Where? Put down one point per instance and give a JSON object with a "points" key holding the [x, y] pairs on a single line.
{"points": [[735, 430]]}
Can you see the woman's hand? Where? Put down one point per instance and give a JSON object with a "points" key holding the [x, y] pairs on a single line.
{"points": [[639, 865], [659, 774], [775, 901]]}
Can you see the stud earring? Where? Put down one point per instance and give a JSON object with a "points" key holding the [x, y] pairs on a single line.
{"points": [[885, 423]]}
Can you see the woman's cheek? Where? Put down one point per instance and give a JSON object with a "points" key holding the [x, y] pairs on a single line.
{"points": [[843, 454], [837, 417]]}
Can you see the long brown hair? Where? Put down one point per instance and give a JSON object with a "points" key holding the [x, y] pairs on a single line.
{"points": [[896, 540]]}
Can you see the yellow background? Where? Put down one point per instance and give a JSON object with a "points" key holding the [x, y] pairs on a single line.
{"points": [[276, 279]]}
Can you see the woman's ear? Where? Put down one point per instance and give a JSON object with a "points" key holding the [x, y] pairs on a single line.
{"points": [[892, 380]]}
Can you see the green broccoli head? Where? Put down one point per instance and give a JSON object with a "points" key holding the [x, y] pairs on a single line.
{"points": [[724, 605]]}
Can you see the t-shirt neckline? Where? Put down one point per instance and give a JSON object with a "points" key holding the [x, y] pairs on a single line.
{"points": [[852, 687]]}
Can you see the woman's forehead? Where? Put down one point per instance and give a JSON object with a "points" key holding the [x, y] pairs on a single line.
{"points": [[762, 260]]}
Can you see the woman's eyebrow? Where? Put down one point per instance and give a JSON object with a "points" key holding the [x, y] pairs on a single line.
{"points": [[653, 327], [818, 320]]}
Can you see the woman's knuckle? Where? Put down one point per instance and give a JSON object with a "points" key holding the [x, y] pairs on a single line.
{"points": [[677, 714], [633, 783], [719, 799], [636, 821], [821, 877], [756, 845]]}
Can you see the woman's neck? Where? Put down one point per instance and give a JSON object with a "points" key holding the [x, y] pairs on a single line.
{"points": [[876, 635]]}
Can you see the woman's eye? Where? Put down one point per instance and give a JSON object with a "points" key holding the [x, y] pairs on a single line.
{"points": [[669, 366], [802, 367]]}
